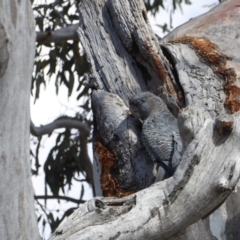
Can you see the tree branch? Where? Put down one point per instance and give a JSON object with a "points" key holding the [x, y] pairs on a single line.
{"points": [[58, 36], [61, 198], [61, 122], [164, 204], [46, 6]]}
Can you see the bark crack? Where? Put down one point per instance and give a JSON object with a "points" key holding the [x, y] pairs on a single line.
{"points": [[179, 187], [179, 89]]}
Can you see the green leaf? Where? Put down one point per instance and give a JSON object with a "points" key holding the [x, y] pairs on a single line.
{"points": [[39, 22], [71, 83], [38, 82], [53, 61]]}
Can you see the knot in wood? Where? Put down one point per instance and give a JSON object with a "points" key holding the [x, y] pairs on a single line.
{"points": [[223, 127], [100, 204], [223, 186], [90, 82]]}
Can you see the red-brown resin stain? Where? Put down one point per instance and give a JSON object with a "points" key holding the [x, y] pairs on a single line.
{"points": [[208, 53], [160, 69], [107, 179]]}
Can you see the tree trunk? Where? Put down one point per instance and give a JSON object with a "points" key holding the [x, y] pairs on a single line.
{"points": [[17, 49], [196, 73]]}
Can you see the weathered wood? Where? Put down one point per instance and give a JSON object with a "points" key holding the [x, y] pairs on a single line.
{"points": [[174, 203], [213, 38], [130, 59], [116, 35]]}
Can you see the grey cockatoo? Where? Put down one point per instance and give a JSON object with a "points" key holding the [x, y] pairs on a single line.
{"points": [[160, 133]]}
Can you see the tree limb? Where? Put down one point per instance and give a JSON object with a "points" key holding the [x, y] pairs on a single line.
{"points": [[46, 6], [58, 36], [77, 201], [61, 122], [180, 194]]}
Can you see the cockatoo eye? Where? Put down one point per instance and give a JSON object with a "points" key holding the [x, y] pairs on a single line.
{"points": [[139, 102]]}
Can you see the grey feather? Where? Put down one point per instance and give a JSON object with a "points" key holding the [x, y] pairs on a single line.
{"points": [[160, 133]]}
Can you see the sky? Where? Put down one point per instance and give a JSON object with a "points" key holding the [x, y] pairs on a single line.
{"points": [[50, 106]]}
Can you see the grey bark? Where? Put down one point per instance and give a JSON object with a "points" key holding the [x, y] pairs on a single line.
{"points": [[197, 75], [17, 49]]}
